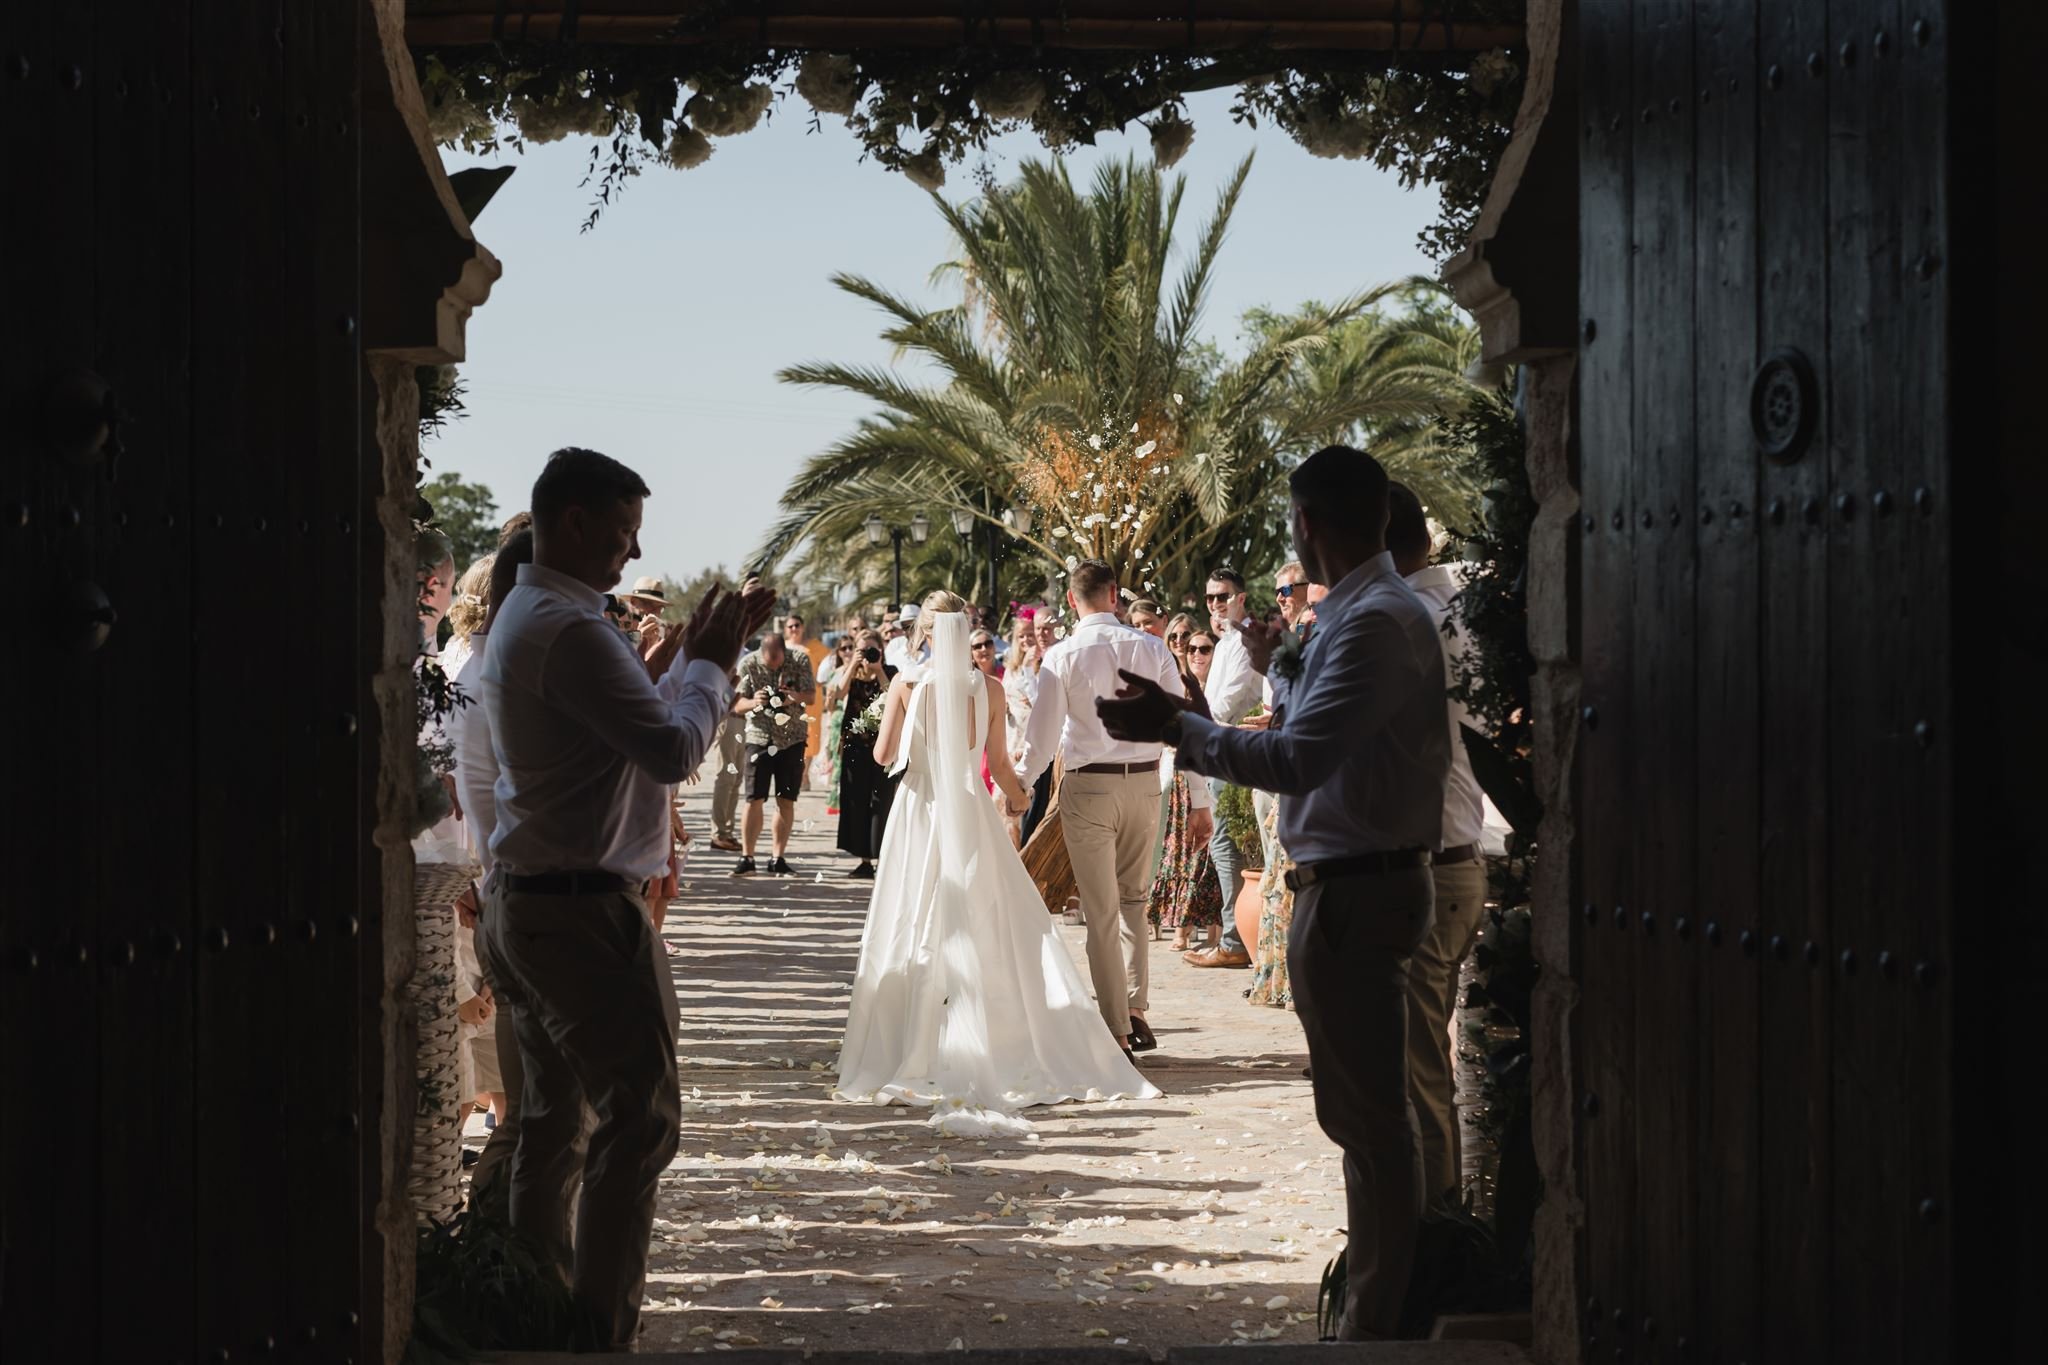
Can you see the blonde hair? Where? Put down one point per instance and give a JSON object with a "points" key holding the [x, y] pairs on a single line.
{"points": [[928, 610], [472, 598]]}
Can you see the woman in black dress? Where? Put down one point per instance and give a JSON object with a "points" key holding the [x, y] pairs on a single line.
{"points": [[865, 791]]}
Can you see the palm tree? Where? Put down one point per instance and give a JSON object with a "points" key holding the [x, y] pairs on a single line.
{"points": [[1072, 387], [1400, 376]]}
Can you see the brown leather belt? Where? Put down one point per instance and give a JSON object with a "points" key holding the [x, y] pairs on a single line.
{"points": [[1364, 865], [1463, 853], [1120, 769]]}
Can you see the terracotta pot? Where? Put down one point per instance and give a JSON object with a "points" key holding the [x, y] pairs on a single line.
{"points": [[1251, 904]]}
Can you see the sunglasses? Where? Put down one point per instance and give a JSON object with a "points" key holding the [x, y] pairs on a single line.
{"points": [[983, 645], [1286, 590], [1201, 649], [1177, 635], [1218, 596]]}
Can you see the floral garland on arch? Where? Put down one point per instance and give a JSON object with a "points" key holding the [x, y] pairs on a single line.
{"points": [[1436, 119]]}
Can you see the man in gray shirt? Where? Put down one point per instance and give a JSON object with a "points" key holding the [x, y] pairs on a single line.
{"points": [[1360, 762]]}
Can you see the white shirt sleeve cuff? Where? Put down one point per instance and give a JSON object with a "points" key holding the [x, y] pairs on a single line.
{"points": [[705, 674]]}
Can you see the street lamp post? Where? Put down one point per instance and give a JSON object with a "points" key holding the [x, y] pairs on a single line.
{"points": [[919, 532]]}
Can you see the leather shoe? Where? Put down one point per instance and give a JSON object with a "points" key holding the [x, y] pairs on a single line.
{"points": [[1217, 957], [725, 845], [1142, 1037]]}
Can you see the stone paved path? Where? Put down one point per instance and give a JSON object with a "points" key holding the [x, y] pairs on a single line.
{"points": [[1203, 1217]]}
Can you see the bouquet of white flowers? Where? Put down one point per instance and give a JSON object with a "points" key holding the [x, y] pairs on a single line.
{"points": [[869, 722]]}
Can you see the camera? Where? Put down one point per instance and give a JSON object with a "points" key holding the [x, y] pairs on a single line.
{"points": [[871, 654]]}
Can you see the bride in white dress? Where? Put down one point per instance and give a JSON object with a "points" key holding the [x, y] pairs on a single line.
{"points": [[966, 999]]}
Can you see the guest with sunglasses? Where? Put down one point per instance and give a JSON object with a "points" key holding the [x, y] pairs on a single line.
{"points": [[1186, 896], [1234, 689]]}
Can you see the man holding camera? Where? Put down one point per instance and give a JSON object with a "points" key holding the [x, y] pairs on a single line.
{"points": [[776, 685]]}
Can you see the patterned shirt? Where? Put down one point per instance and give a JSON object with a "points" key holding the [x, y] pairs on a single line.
{"points": [[780, 724]]}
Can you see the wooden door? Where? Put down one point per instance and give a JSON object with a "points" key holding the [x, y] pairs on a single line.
{"points": [[1764, 1046], [184, 841]]}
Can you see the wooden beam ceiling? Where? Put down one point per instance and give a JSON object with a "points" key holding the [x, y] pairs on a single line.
{"points": [[856, 25]]}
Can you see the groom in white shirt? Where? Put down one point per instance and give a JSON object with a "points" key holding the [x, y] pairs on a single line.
{"points": [[587, 747], [1109, 793]]}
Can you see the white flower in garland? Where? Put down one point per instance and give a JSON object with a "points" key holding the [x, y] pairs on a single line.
{"points": [[1492, 70], [829, 84], [728, 113], [550, 119], [925, 171], [1333, 135], [1172, 135], [1010, 94], [687, 148]]}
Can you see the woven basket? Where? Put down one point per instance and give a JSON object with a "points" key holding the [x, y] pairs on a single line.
{"points": [[1047, 860], [435, 1184]]}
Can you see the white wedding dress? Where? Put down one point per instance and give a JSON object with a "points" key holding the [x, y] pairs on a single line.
{"points": [[965, 999]]}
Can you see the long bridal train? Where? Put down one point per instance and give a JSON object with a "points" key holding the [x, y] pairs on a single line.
{"points": [[965, 999]]}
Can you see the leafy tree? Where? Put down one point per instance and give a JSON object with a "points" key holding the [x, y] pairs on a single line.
{"points": [[466, 513], [1074, 387]]}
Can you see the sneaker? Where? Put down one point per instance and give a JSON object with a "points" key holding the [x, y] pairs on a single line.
{"points": [[469, 1157], [780, 867], [743, 868], [490, 1121]]}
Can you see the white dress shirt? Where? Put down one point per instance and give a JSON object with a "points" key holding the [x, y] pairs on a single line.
{"points": [[587, 747], [1234, 688], [1464, 802], [1363, 751], [476, 764], [1077, 672]]}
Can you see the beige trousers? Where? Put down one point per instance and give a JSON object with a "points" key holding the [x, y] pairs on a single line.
{"points": [[1432, 997], [591, 1000], [731, 765], [1347, 959], [1111, 823]]}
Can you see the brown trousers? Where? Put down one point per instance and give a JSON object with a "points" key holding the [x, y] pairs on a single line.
{"points": [[1347, 958], [1432, 998], [588, 992], [1111, 823]]}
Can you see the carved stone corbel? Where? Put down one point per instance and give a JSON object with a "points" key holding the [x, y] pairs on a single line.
{"points": [[1518, 275], [424, 271]]}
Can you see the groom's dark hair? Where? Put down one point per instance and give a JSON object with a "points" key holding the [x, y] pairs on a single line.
{"points": [[1348, 486], [575, 477], [1091, 578]]}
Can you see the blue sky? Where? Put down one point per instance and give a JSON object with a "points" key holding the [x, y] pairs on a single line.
{"points": [[656, 336]]}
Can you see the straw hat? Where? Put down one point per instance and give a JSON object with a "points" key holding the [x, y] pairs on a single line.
{"points": [[647, 591]]}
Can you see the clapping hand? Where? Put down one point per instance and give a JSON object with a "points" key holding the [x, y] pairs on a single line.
{"points": [[724, 621], [1260, 640], [1138, 714]]}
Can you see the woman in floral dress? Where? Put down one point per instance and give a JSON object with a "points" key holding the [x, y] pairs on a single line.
{"points": [[1269, 963], [835, 713], [1186, 895]]}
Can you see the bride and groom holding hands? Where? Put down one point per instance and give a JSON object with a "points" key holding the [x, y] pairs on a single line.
{"points": [[965, 998]]}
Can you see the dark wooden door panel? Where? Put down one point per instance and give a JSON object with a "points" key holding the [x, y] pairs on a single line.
{"points": [[1727, 758], [180, 1168], [1765, 1103], [1604, 1036]]}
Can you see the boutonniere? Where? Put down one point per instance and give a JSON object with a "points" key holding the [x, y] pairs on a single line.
{"points": [[1288, 655]]}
